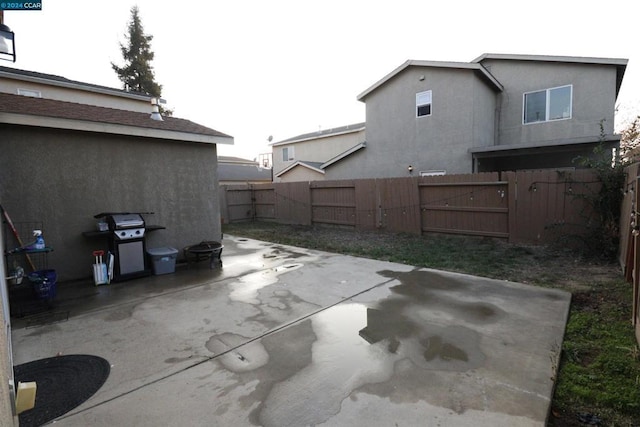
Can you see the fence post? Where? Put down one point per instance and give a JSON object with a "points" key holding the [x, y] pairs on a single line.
{"points": [[512, 197], [222, 200]]}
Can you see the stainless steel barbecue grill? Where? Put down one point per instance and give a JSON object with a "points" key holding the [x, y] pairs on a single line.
{"points": [[128, 245]]}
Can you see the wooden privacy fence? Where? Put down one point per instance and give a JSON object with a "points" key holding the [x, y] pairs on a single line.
{"points": [[629, 242], [524, 206]]}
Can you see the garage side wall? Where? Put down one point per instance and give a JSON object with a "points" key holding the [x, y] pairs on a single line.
{"points": [[64, 178]]}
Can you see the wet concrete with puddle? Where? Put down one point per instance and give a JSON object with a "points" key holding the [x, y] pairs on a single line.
{"points": [[289, 337]]}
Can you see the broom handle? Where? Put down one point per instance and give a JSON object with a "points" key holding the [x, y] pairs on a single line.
{"points": [[16, 235]]}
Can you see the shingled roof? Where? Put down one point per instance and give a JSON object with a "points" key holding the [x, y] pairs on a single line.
{"points": [[14, 109], [322, 134]]}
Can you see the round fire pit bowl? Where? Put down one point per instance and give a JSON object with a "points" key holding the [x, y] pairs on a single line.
{"points": [[204, 250]]}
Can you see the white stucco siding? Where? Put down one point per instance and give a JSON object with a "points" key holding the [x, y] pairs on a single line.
{"points": [[593, 99]]}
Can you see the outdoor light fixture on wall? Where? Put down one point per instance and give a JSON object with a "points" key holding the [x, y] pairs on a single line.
{"points": [[7, 42], [410, 169]]}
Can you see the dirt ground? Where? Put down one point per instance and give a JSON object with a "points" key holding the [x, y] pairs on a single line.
{"points": [[548, 266]]}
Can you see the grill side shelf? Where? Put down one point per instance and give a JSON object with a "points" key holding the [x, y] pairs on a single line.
{"points": [[107, 233]]}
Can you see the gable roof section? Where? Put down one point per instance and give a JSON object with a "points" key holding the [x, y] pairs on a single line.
{"points": [[319, 166], [619, 63], [477, 68], [344, 154], [53, 80], [314, 166], [40, 112], [342, 130]]}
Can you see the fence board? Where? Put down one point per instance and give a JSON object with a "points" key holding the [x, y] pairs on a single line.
{"points": [[400, 205], [333, 202], [552, 205], [239, 206], [264, 202], [465, 204], [292, 202], [367, 205]]}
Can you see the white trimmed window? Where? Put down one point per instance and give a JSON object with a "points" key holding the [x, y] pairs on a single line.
{"points": [[287, 154], [423, 103], [547, 105]]}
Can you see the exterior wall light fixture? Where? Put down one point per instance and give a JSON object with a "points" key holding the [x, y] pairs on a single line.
{"points": [[7, 43], [410, 169]]}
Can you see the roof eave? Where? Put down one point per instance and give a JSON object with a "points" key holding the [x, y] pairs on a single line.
{"points": [[544, 144], [484, 74], [312, 138], [110, 128], [294, 165], [553, 58], [341, 156], [619, 63]]}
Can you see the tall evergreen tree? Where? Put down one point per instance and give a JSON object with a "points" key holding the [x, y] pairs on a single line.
{"points": [[137, 73]]}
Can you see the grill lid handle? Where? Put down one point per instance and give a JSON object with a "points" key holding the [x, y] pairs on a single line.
{"points": [[104, 214]]}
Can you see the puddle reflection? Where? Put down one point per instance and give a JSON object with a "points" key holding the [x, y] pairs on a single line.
{"points": [[247, 287]]}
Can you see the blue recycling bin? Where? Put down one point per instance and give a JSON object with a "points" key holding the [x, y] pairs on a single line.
{"points": [[44, 284]]}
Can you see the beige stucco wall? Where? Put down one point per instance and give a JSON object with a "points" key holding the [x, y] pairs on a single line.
{"points": [[123, 102], [315, 150], [593, 99], [64, 178]]}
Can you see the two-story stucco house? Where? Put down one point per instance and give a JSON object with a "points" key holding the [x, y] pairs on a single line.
{"points": [[306, 157], [497, 112]]}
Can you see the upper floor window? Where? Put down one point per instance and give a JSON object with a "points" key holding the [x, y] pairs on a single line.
{"points": [[548, 104], [423, 103], [287, 154]]}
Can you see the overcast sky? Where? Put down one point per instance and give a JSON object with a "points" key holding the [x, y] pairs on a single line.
{"points": [[257, 68]]}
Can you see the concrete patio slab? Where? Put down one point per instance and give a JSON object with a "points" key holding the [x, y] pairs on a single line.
{"points": [[284, 336]]}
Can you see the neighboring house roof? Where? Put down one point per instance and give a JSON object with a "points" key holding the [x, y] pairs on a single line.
{"points": [[477, 68], [322, 134], [242, 172], [314, 166], [29, 111], [236, 160], [344, 154], [53, 80], [619, 63]]}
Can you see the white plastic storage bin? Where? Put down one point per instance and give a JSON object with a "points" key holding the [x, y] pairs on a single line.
{"points": [[163, 260]]}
